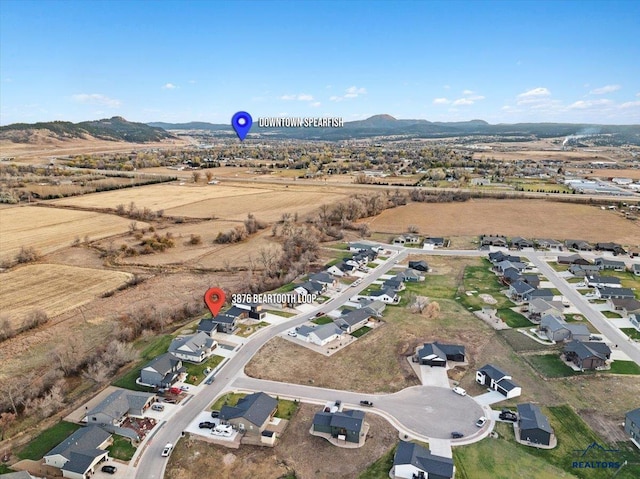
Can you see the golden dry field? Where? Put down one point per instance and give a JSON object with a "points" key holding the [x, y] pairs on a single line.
{"points": [[528, 218], [634, 174], [49, 229], [53, 288]]}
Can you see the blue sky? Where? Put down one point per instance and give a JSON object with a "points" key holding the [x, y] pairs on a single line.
{"points": [[501, 61]]}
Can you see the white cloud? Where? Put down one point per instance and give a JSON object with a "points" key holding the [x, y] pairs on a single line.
{"points": [[463, 101], [638, 94], [586, 104], [537, 95], [630, 104], [441, 101], [316, 104], [169, 86], [605, 89], [299, 97], [97, 99], [469, 98], [467, 92], [351, 92]]}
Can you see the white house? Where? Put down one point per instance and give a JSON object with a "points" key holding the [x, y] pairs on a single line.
{"points": [[79, 454], [319, 335], [414, 461]]}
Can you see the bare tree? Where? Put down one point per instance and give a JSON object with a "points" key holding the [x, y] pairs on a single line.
{"points": [[209, 176], [6, 419], [413, 229], [432, 310], [196, 176]]}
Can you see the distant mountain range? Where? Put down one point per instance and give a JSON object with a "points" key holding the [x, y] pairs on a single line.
{"points": [[386, 125], [119, 129], [114, 129]]}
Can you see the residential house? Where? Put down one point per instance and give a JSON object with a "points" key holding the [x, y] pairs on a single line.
{"points": [[499, 256], [499, 241], [407, 239], [410, 276], [614, 248], [608, 293], [533, 426], [412, 461], [610, 264], [587, 355], [496, 379], [342, 268], [579, 245], [434, 242], [556, 329], [542, 293], [78, 455], [505, 264], [419, 266], [387, 295], [632, 425], [634, 319], [377, 307], [627, 306], [597, 281], [342, 425], [521, 243], [396, 283], [358, 247], [573, 259], [251, 414], [519, 290], [324, 278], [635, 269], [223, 323], [582, 270], [310, 287], [437, 354], [114, 409], [255, 310], [162, 371], [539, 308], [354, 320], [319, 335], [511, 275], [549, 244], [194, 348]]}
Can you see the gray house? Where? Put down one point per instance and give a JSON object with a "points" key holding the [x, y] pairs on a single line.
{"points": [[162, 371], [597, 281], [414, 461], [496, 379], [194, 348], [610, 264], [324, 278], [519, 290], [342, 425], [118, 405], [587, 355], [437, 354], [251, 414], [354, 320], [556, 329], [632, 425], [579, 245], [609, 293], [534, 426], [419, 266], [78, 455], [542, 293]]}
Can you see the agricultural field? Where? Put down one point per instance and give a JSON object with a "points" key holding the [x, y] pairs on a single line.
{"points": [[49, 229], [528, 218], [53, 289]]}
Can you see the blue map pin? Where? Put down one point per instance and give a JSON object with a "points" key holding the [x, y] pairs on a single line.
{"points": [[241, 122]]}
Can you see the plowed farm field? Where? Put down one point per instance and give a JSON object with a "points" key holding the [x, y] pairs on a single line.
{"points": [[528, 218], [49, 229], [53, 288]]}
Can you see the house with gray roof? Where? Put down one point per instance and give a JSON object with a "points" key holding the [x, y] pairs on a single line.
{"points": [[610, 293], [632, 425], [115, 408], [78, 455], [573, 259], [412, 461], [635, 269], [434, 242], [614, 248], [377, 307], [420, 265], [498, 256], [626, 306], [496, 379], [395, 283], [319, 335], [550, 244], [597, 281], [410, 276], [162, 371], [541, 293], [386, 295], [556, 329], [533, 426], [251, 414], [437, 354], [587, 355], [539, 307], [610, 264], [342, 268], [341, 425], [498, 241], [325, 279], [519, 290], [521, 243], [194, 348], [579, 245], [506, 264], [354, 320]]}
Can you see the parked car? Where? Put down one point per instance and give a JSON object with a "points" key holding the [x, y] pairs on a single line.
{"points": [[293, 334], [167, 450], [210, 380], [215, 414], [481, 422], [109, 469], [319, 314], [507, 415], [184, 388], [222, 429], [366, 403], [456, 435], [158, 407], [460, 391], [207, 425], [174, 390], [171, 400]]}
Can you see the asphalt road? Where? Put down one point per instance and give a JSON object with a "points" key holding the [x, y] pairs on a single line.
{"points": [[151, 464]]}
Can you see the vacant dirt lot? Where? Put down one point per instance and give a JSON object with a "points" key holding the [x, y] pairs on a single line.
{"points": [[308, 456], [53, 288], [49, 229], [528, 218]]}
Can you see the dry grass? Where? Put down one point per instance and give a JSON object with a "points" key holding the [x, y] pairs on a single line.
{"points": [[310, 457], [48, 229], [635, 174], [53, 288], [529, 218], [243, 254]]}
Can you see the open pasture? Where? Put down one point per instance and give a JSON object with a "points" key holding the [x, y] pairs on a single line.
{"points": [[48, 229], [528, 218], [53, 288]]}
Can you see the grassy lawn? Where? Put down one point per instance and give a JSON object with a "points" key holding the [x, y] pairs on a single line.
{"points": [[230, 399], [574, 280], [47, 440], [555, 291], [245, 330], [372, 265], [361, 332], [155, 347], [339, 256], [572, 318], [484, 281], [627, 279], [121, 449], [520, 342], [624, 367], [550, 365], [559, 267], [633, 333], [611, 314], [322, 320], [285, 288], [195, 372], [513, 319], [284, 314], [381, 467], [286, 409]]}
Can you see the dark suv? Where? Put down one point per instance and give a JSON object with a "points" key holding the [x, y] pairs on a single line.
{"points": [[109, 469], [507, 415], [207, 425], [456, 435]]}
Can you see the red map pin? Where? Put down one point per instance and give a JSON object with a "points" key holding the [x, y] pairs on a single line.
{"points": [[214, 299]]}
